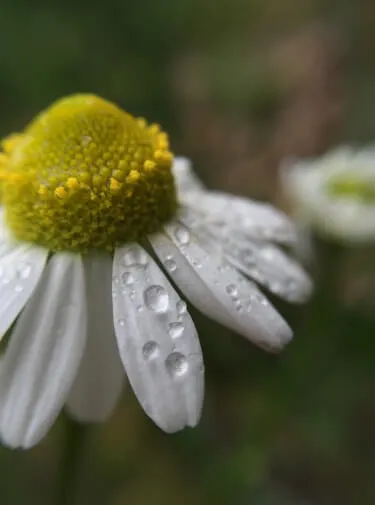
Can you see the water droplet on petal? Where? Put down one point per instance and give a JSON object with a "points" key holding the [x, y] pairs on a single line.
{"points": [[181, 307], [24, 270], [170, 265], [156, 299], [232, 290], [18, 288], [268, 253], [127, 278], [140, 308], [121, 322], [150, 350], [135, 257], [175, 330], [176, 364], [182, 235]]}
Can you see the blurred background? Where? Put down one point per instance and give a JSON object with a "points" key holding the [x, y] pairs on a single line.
{"points": [[240, 85]]}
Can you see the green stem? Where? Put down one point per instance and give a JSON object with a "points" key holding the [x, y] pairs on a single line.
{"points": [[72, 452]]}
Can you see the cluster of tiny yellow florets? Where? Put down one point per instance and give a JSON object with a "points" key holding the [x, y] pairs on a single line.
{"points": [[86, 175]]}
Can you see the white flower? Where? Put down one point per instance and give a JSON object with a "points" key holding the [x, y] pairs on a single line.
{"points": [[84, 319], [335, 194]]}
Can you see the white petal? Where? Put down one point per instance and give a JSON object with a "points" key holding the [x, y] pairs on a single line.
{"points": [[157, 340], [42, 358], [185, 178], [218, 290], [20, 271], [262, 261], [100, 378], [270, 266], [246, 216]]}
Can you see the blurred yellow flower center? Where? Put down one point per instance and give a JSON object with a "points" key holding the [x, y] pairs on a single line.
{"points": [[86, 175], [351, 187]]}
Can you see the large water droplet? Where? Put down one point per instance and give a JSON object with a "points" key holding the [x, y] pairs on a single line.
{"points": [[135, 257], [182, 235], [170, 265], [175, 330], [156, 298], [181, 307], [150, 350], [176, 364], [127, 278]]}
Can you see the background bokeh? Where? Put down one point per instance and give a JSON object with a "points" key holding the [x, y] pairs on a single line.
{"points": [[240, 85]]}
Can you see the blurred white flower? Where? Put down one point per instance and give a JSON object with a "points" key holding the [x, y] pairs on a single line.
{"points": [[84, 317], [334, 194]]}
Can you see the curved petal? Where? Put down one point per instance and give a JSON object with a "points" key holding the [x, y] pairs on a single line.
{"points": [[44, 352], [243, 216], [218, 290], [20, 270], [100, 377], [157, 340], [262, 261], [272, 268]]}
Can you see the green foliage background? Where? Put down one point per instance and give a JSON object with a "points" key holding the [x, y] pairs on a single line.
{"points": [[297, 429]]}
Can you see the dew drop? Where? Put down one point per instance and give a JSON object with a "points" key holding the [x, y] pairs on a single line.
{"points": [[176, 364], [24, 270], [232, 290], [170, 265], [175, 330], [268, 254], [156, 299], [182, 235], [135, 257], [18, 288], [238, 306], [140, 308], [127, 278], [150, 350], [181, 307], [121, 322]]}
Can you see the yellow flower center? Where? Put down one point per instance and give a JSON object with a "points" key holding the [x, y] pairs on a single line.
{"points": [[86, 175], [352, 187]]}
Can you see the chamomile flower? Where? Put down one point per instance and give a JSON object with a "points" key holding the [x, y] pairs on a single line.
{"points": [[335, 194], [99, 227]]}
